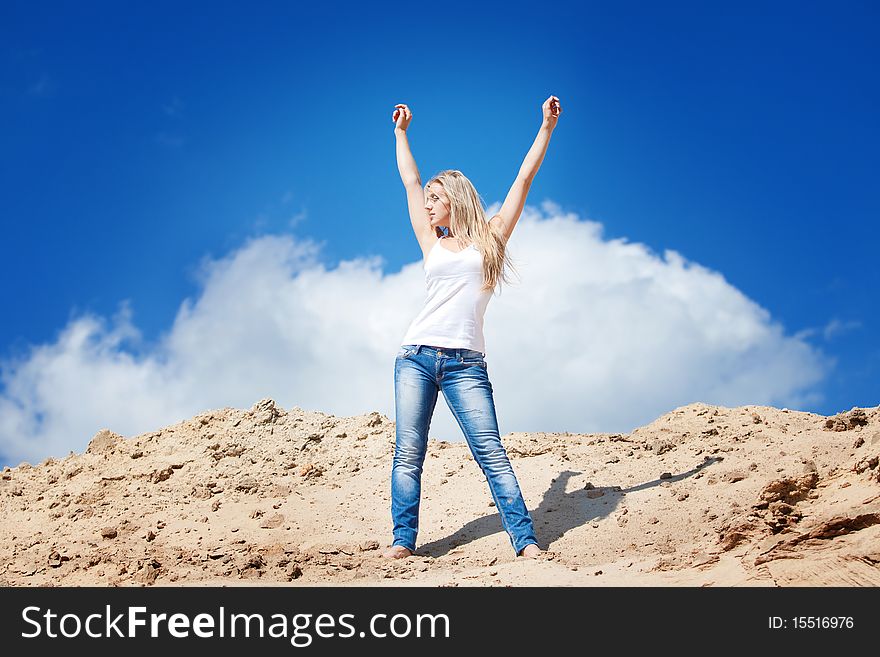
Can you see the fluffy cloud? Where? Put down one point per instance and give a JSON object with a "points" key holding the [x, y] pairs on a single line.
{"points": [[595, 335]]}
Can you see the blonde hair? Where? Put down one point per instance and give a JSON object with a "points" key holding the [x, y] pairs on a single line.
{"points": [[468, 225]]}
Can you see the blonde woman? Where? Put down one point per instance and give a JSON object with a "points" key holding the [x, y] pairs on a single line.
{"points": [[443, 349]]}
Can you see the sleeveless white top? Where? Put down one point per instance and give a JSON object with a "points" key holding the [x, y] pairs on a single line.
{"points": [[453, 313]]}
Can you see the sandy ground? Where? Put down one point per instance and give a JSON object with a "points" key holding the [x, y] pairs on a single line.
{"points": [[702, 496]]}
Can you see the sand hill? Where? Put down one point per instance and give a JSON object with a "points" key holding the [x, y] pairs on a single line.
{"points": [[702, 496]]}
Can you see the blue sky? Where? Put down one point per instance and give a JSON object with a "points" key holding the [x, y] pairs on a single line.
{"points": [[141, 147]]}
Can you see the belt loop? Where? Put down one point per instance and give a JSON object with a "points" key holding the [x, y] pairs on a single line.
{"points": [[418, 348]]}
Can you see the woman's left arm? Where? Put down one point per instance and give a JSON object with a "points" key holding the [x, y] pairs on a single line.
{"points": [[551, 109], [513, 205]]}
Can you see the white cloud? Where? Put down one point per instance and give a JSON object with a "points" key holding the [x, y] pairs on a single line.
{"points": [[596, 335], [837, 327], [832, 329]]}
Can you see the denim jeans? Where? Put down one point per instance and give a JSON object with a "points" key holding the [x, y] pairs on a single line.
{"points": [[420, 371]]}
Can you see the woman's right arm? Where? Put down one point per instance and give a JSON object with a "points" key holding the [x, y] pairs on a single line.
{"points": [[406, 164], [409, 174]]}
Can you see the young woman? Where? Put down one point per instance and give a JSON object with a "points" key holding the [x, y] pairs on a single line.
{"points": [[443, 349]]}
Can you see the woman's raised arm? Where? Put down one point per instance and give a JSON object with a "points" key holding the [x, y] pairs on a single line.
{"points": [[409, 173], [551, 110], [406, 164], [513, 205]]}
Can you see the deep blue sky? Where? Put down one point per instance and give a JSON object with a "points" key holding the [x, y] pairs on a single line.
{"points": [[135, 140]]}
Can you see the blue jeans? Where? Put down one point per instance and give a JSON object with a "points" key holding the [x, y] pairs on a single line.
{"points": [[420, 371]]}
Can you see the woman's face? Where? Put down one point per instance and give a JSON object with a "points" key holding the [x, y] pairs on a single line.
{"points": [[437, 205]]}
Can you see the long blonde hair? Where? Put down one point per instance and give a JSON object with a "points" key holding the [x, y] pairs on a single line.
{"points": [[468, 225]]}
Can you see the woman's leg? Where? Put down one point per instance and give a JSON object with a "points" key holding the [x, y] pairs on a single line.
{"points": [[468, 392], [415, 396]]}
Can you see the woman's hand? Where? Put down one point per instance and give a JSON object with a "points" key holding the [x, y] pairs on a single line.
{"points": [[402, 116], [552, 109]]}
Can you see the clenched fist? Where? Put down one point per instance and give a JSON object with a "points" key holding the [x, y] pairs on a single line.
{"points": [[401, 117]]}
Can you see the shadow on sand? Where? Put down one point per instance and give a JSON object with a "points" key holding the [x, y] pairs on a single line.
{"points": [[557, 513]]}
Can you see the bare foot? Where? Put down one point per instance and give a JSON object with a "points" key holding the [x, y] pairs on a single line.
{"points": [[397, 552], [531, 551]]}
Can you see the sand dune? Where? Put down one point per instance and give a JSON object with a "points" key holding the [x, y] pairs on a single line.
{"points": [[702, 496]]}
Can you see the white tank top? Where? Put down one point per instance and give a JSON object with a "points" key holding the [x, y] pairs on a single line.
{"points": [[453, 312]]}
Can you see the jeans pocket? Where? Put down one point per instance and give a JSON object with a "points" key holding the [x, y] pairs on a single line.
{"points": [[470, 362], [406, 352]]}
